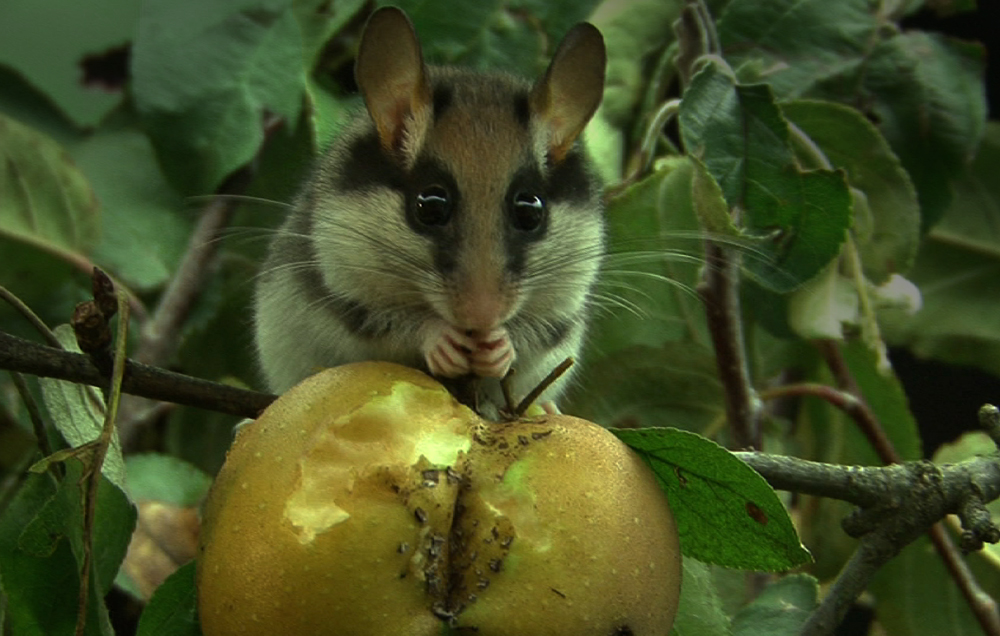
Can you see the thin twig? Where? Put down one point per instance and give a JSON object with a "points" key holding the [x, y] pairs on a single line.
{"points": [[30, 316], [34, 412], [841, 399], [982, 605], [863, 416], [97, 462], [508, 392], [719, 292]]}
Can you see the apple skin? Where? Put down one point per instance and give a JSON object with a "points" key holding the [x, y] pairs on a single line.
{"points": [[367, 501]]}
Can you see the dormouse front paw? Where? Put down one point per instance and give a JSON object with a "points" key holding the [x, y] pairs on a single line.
{"points": [[446, 350], [493, 354]]}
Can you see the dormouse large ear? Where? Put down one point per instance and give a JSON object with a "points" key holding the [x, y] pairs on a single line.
{"points": [[391, 75], [567, 96]]}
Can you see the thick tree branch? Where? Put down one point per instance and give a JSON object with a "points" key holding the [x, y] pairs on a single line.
{"points": [[17, 354], [896, 504]]}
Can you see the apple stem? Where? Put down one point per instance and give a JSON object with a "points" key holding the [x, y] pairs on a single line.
{"points": [[544, 384]]}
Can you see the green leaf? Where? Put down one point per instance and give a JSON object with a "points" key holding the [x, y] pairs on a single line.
{"points": [[726, 513], [700, 611], [49, 218], [930, 101], [768, 39], [146, 229], [648, 354], [173, 609], [206, 73], [45, 201], [48, 42], [710, 204], [165, 478], [957, 271], [888, 235], [781, 609], [739, 134]]}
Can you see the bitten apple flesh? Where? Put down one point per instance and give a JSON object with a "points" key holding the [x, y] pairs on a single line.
{"points": [[367, 501]]}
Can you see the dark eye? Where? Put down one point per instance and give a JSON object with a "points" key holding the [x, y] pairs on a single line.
{"points": [[433, 206], [528, 212]]}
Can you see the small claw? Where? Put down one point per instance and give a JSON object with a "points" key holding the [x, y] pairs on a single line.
{"points": [[493, 355], [446, 351]]}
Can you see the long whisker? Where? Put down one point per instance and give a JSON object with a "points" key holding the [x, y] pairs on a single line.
{"points": [[240, 198]]}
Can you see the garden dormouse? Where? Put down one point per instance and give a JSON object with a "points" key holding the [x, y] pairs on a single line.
{"points": [[454, 226]]}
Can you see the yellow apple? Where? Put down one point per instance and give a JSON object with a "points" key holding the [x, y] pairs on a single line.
{"points": [[367, 501]]}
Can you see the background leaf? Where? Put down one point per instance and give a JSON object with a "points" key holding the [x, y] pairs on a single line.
{"points": [[780, 610], [635, 33], [173, 609], [700, 612], [204, 74], [51, 51], [957, 271], [765, 38], [930, 102], [518, 37], [44, 199], [827, 434], [917, 597], [726, 513], [924, 90], [41, 549], [887, 230], [165, 478], [145, 227], [655, 255], [675, 384]]}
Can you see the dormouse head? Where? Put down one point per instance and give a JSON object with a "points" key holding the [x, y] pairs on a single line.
{"points": [[493, 179]]}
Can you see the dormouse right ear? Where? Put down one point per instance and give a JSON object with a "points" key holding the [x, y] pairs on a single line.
{"points": [[567, 96], [393, 80]]}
